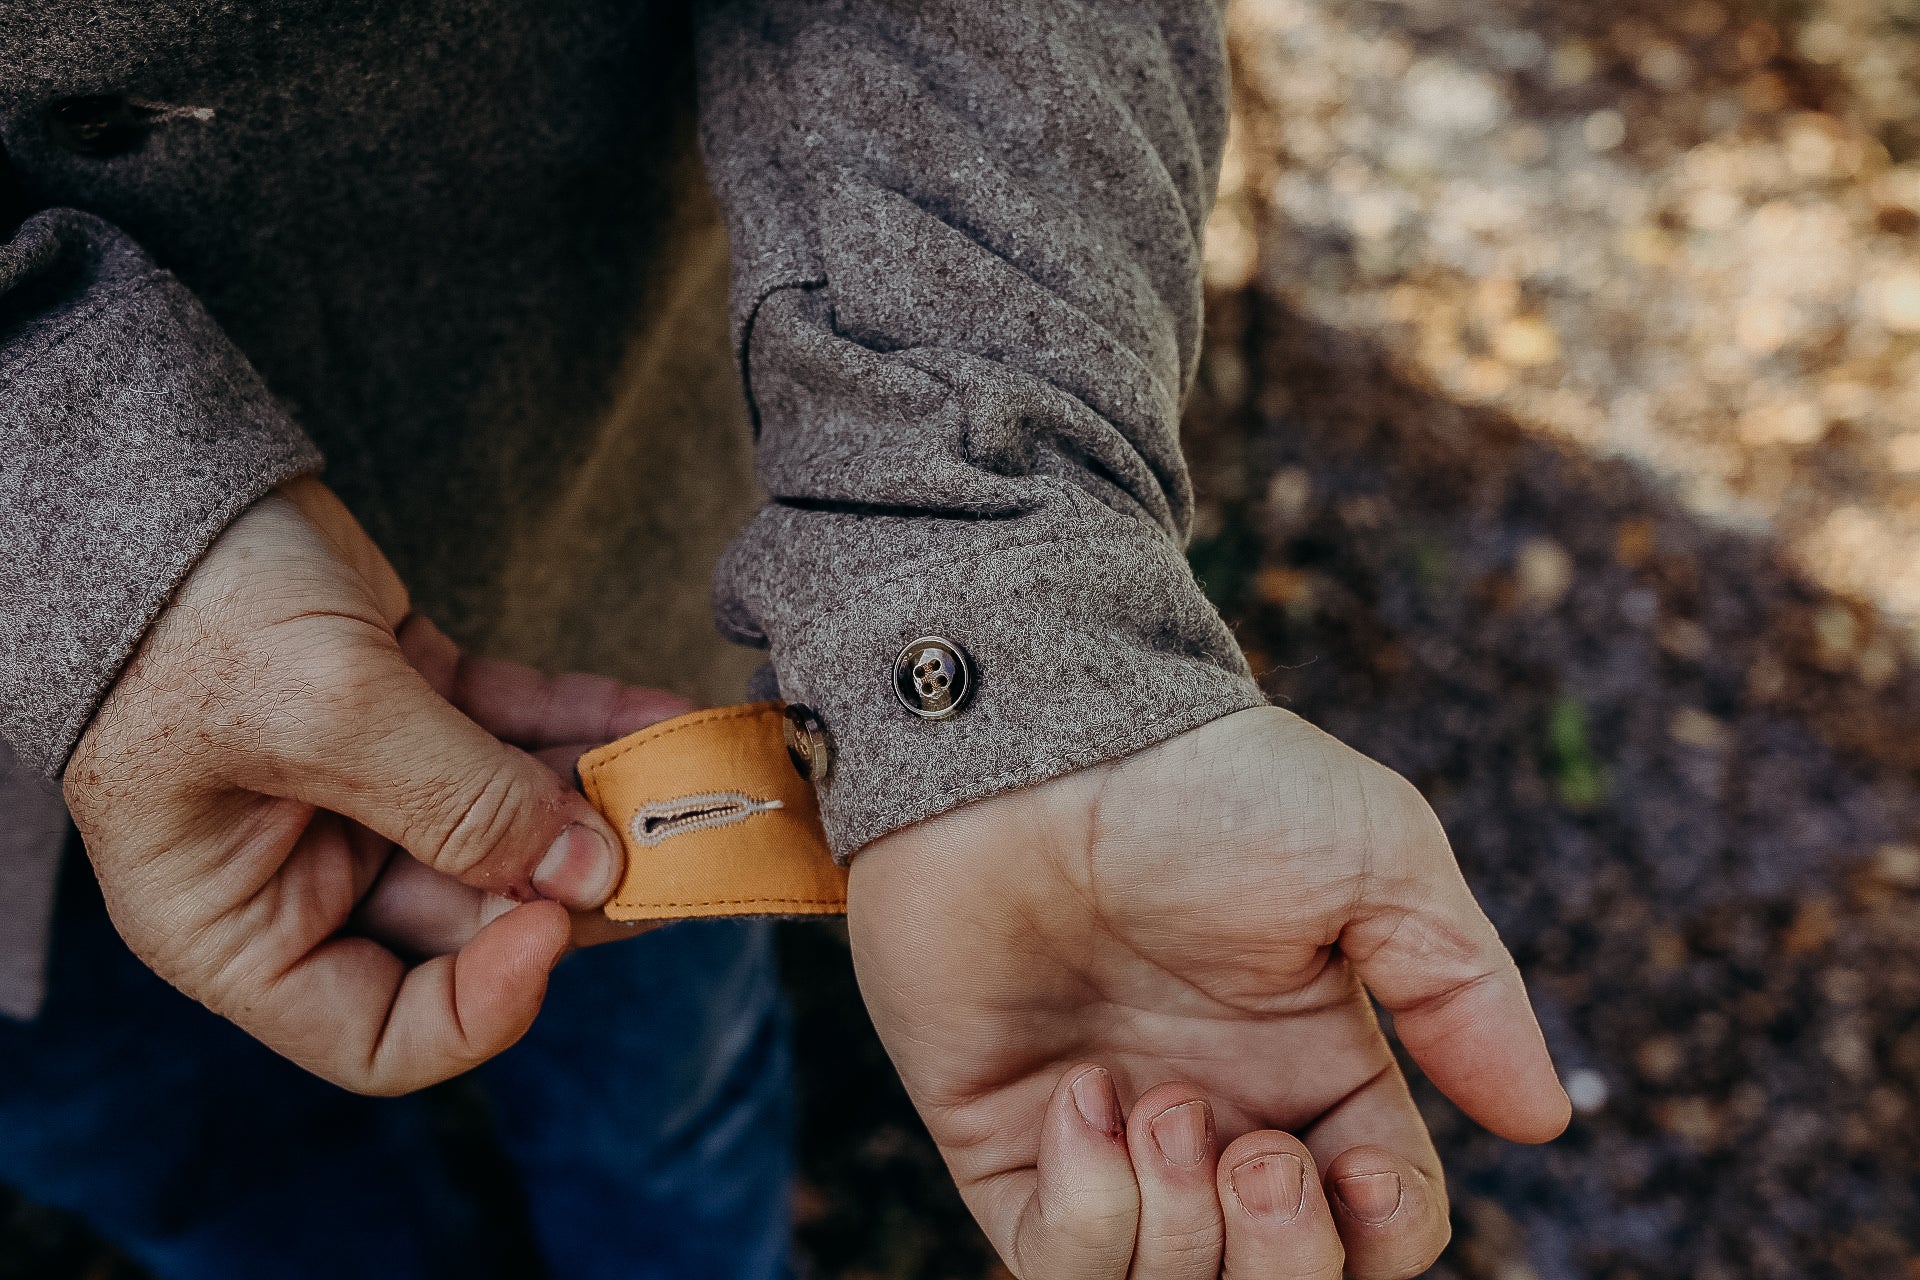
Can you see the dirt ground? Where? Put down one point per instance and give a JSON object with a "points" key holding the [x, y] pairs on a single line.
{"points": [[1557, 444]]}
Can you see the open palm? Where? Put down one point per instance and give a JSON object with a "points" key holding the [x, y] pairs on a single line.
{"points": [[1206, 912]]}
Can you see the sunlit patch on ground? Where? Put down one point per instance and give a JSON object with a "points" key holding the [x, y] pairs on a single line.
{"points": [[1684, 234]]}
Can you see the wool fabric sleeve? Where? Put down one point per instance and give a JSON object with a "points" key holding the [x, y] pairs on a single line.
{"points": [[131, 433], [967, 302]]}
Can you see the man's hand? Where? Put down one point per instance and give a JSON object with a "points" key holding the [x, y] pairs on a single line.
{"points": [[281, 728], [1212, 911], [421, 912]]}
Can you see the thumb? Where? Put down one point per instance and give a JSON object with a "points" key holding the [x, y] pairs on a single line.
{"points": [[394, 756], [1461, 1009]]}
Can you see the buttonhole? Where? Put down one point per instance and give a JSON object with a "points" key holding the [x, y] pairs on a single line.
{"points": [[661, 820]]}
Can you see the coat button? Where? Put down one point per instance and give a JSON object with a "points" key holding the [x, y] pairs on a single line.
{"points": [[97, 125], [807, 744], [933, 678]]}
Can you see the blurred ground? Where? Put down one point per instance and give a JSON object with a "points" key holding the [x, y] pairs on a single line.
{"points": [[1558, 428], [1558, 442]]}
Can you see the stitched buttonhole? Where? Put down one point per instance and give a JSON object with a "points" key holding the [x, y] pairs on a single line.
{"points": [[662, 820]]}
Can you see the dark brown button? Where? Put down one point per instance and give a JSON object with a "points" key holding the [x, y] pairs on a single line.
{"points": [[807, 744], [933, 678], [97, 125]]}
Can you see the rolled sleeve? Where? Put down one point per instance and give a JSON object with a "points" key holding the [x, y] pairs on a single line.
{"points": [[132, 432], [967, 299]]}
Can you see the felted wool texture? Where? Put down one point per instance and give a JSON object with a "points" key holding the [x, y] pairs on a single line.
{"points": [[440, 243], [1066, 675], [135, 432], [969, 308]]}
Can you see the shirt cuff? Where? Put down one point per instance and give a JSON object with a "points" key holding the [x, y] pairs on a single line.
{"points": [[137, 433], [1082, 649]]}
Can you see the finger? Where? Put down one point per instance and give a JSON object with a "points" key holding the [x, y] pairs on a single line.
{"points": [[565, 760], [526, 707], [419, 911], [380, 746], [592, 928], [1170, 1137], [1460, 1008], [1278, 1225], [432, 653], [1431, 957], [416, 911], [1383, 1179], [1079, 1220], [1391, 1213], [353, 1012], [522, 705]]}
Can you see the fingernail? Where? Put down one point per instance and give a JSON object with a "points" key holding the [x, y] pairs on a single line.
{"points": [[1099, 1105], [1371, 1197], [1271, 1186], [1181, 1134], [579, 868]]}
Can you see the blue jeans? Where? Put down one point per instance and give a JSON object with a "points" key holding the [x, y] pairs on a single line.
{"points": [[648, 1114]]}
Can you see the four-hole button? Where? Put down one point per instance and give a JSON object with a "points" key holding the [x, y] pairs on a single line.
{"points": [[933, 677]]}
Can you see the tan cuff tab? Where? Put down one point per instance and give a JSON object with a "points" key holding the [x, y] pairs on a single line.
{"points": [[715, 819]]}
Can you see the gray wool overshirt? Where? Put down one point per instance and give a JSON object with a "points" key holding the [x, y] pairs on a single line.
{"points": [[421, 241]]}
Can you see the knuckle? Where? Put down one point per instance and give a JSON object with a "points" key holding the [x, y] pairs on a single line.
{"points": [[216, 966], [379, 1073], [323, 687], [1179, 1250], [1093, 1219], [1413, 819], [186, 947], [1414, 1259]]}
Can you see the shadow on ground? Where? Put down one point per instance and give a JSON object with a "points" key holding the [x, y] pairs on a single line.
{"points": [[1690, 819]]}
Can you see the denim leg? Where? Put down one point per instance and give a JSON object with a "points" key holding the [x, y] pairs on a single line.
{"points": [[650, 1108], [200, 1153]]}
